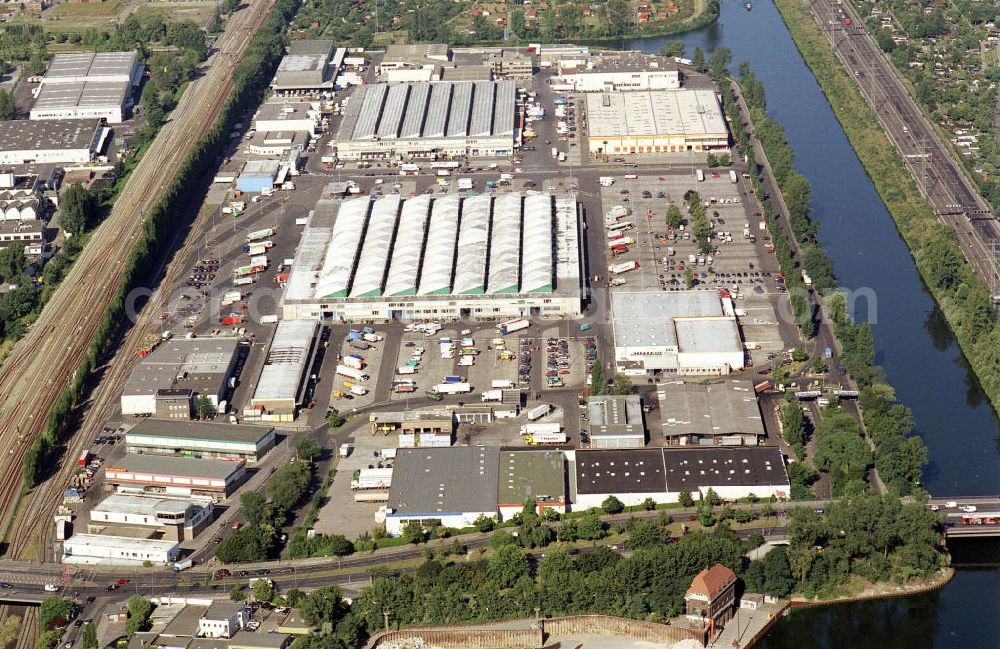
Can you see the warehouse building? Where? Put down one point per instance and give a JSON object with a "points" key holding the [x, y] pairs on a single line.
{"points": [[511, 64], [429, 120], [660, 121], [287, 115], [537, 477], [167, 518], [713, 413], [619, 79], [682, 332], [428, 258], [284, 379], [89, 85], [615, 421], [200, 440], [19, 204], [309, 66], [447, 486], [100, 550], [71, 141], [193, 367], [175, 476], [416, 428], [413, 55], [633, 475], [277, 143], [258, 175]]}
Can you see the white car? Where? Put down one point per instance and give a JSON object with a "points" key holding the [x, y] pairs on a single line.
{"points": [[968, 509], [951, 503], [934, 508]]}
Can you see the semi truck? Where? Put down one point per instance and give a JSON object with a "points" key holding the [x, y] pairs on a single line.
{"points": [[258, 235], [540, 429], [358, 391], [621, 241], [623, 267], [511, 326], [351, 373], [355, 361], [452, 388], [700, 175], [453, 378], [732, 176], [536, 439], [539, 411], [406, 369], [492, 395], [607, 181], [371, 479], [372, 338], [501, 384]]}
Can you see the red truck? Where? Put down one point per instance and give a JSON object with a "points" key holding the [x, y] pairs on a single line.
{"points": [[233, 319], [84, 458]]}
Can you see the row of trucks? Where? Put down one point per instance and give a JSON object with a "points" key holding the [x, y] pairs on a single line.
{"points": [[366, 334], [426, 328]]}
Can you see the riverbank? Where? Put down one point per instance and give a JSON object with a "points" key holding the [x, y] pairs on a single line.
{"points": [[959, 293], [883, 590]]}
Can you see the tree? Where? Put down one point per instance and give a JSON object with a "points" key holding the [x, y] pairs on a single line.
{"points": [[229, 6], [507, 566], [323, 607], [589, 528], [139, 610], [485, 523], [793, 426], [645, 534], [840, 450], [237, 594], [253, 504], [649, 504], [618, 18], [54, 612], [263, 590], [307, 449], [685, 499], [335, 419], [674, 217], [12, 262], [8, 110], [612, 505], [79, 209], [900, 462], [688, 277], [249, 543], [89, 638], [778, 579], [712, 499], [711, 161], [673, 49], [38, 61], [597, 380], [413, 532], [621, 385], [215, 25], [698, 60], [567, 531], [205, 408], [187, 35]]}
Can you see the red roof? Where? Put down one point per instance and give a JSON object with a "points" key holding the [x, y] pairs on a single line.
{"points": [[712, 582]]}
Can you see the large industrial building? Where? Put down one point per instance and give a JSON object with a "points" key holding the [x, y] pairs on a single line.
{"points": [[662, 474], [71, 141], [97, 549], [168, 518], [717, 412], [683, 332], [453, 486], [660, 121], [285, 377], [309, 66], [424, 258], [429, 120], [615, 80], [287, 115], [89, 85], [200, 440], [537, 477], [176, 373], [177, 476], [615, 421]]}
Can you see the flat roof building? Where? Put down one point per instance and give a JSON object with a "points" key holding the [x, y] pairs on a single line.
{"points": [[100, 550], [615, 421], [309, 65], [284, 378], [88, 85], [258, 175], [660, 121], [413, 55], [286, 115], [454, 486], [203, 365], [661, 474], [531, 476], [423, 428], [163, 517], [429, 120], [200, 440], [46, 142], [180, 476], [723, 412], [682, 332], [404, 259]]}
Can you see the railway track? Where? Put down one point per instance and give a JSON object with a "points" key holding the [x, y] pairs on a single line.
{"points": [[46, 359], [941, 181]]}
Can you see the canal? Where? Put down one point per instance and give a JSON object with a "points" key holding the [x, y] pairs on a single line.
{"points": [[914, 346]]}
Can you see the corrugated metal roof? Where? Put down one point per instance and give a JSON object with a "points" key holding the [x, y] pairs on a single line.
{"points": [[416, 108], [473, 241], [371, 109], [342, 253], [437, 110], [392, 114], [461, 106], [286, 360], [405, 264], [505, 247], [444, 480], [439, 258], [536, 256], [375, 250], [482, 109], [503, 118]]}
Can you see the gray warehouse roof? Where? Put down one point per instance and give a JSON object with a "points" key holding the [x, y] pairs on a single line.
{"points": [[535, 475], [94, 66], [287, 360], [743, 466], [453, 110], [647, 319], [444, 480], [650, 113], [414, 52], [307, 65], [198, 430], [84, 94], [615, 415], [710, 408], [197, 363], [620, 471], [35, 135], [178, 466]]}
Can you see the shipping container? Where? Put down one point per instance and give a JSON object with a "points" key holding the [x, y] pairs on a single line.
{"points": [[354, 361], [540, 429], [452, 388], [492, 395], [372, 479], [501, 384], [351, 373], [539, 411], [406, 369], [623, 267], [257, 235]]}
